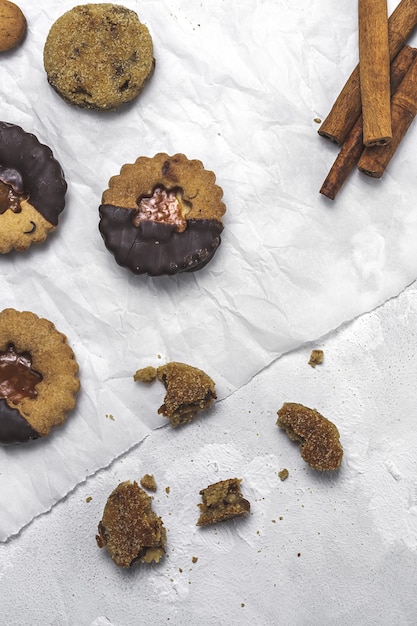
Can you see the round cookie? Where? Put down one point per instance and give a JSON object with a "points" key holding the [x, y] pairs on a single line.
{"points": [[38, 377], [98, 56], [32, 189], [13, 25], [162, 215]]}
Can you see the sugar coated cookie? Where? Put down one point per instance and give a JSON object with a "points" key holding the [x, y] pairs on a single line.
{"points": [[38, 377], [129, 529], [13, 25], [162, 215], [32, 189], [98, 56]]}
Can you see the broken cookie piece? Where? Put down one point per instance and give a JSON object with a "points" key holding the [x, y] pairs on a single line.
{"points": [[130, 530], [319, 438], [188, 390], [222, 501], [316, 358], [148, 482]]}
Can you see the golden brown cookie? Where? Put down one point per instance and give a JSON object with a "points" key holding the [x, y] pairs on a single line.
{"points": [[129, 529], [38, 377], [189, 390], [13, 25], [98, 56], [162, 215], [319, 438], [222, 501], [32, 189]]}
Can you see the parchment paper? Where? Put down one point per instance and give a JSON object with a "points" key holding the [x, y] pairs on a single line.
{"points": [[238, 86]]}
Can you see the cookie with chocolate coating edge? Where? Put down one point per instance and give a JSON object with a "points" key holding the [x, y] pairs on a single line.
{"points": [[38, 377], [162, 215]]}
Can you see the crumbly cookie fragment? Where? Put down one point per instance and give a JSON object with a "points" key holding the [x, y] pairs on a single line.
{"points": [[162, 215], [148, 482], [319, 438], [222, 501], [189, 390], [316, 358], [130, 530], [13, 25], [38, 376], [98, 56]]}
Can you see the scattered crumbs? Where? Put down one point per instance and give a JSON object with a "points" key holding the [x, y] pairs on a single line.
{"points": [[316, 357], [281, 517], [317, 120], [167, 489], [159, 356], [194, 559], [109, 416], [274, 521], [242, 604], [299, 554], [88, 499], [180, 570], [148, 482], [283, 474]]}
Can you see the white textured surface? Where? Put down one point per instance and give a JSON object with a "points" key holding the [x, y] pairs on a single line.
{"points": [[345, 550]]}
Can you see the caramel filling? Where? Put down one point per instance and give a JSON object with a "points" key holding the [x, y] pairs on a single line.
{"points": [[10, 199], [17, 378], [166, 206]]}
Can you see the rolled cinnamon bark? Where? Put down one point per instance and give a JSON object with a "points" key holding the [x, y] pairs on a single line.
{"points": [[374, 71], [347, 106], [374, 160], [352, 148]]}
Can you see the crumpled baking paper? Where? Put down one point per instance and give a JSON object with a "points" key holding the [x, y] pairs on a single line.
{"points": [[237, 85]]}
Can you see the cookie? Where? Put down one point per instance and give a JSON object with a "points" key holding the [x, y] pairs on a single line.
{"points": [[319, 437], [162, 215], [189, 390], [38, 377], [32, 189], [98, 56], [222, 501], [13, 25], [129, 529]]}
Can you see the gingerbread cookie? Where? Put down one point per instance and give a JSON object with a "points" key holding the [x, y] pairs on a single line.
{"points": [[38, 377], [162, 215], [13, 25], [32, 189], [189, 390], [98, 56], [129, 529], [318, 436]]}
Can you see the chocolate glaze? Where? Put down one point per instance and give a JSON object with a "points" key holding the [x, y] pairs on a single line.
{"points": [[13, 427], [154, 248], [42, 175]]}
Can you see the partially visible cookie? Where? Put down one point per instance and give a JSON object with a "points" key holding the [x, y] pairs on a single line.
{"points": [[130, 530], [318, 436], [162, 215], [189, 390], [32, 189], [38, 377], [13, 25], [222, 501], [98, 56]]}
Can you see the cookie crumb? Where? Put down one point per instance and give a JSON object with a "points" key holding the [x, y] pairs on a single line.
{"points": [[109, 416], [316, 357], [222, 501], [194, 559], [88, 499], [167, 490], [283, 474], [317, 120], [145, 375], [148, 482]]}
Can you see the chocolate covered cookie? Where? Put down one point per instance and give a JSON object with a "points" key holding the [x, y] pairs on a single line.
{"points": [[38, 377], [98, 56], [162, 215], [32, 189]]}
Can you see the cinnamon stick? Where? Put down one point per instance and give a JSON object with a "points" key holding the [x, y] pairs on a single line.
{"points": [[353, 147], [374, 71], [374, 160], [347, 106]]}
